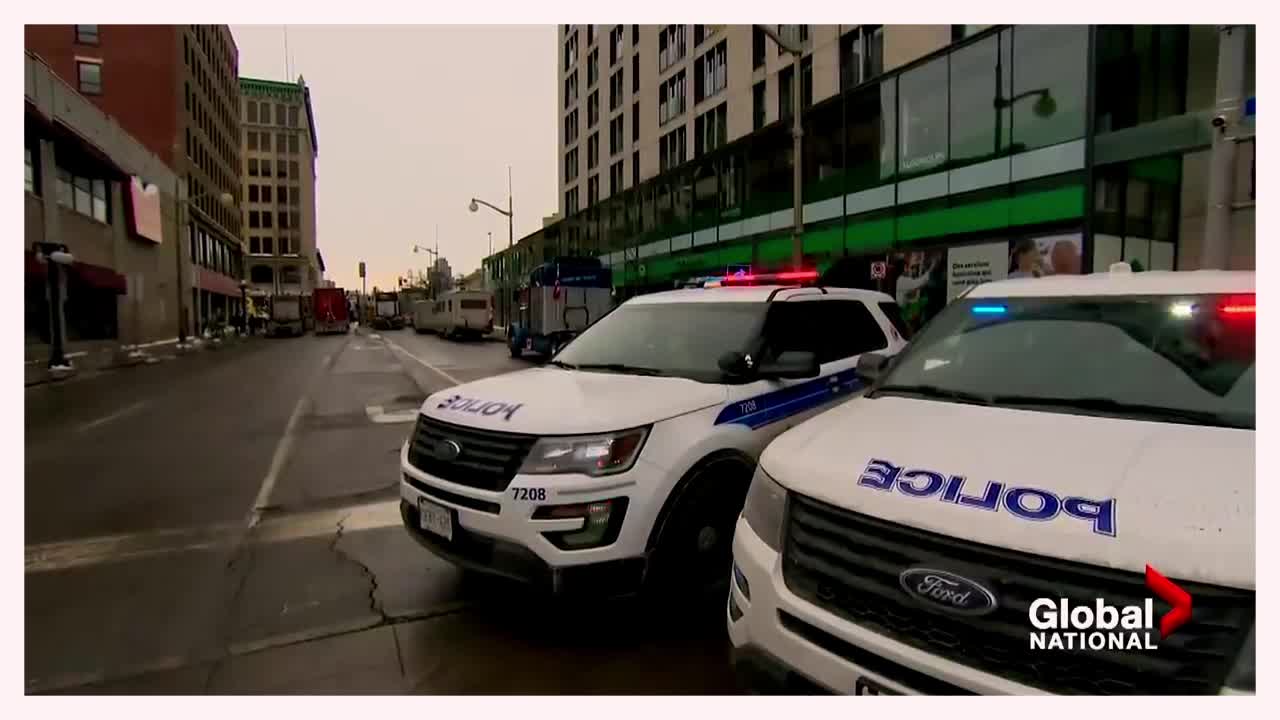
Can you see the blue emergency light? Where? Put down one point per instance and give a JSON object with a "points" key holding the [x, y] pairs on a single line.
{"points": [[989, 309]]}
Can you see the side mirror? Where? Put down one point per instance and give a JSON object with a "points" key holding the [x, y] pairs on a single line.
{"points": [[791, 366], [872, 366]]}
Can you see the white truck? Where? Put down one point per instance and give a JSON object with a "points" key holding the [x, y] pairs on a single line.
{"points": [[286, 316], [1052, 490], [624, 461], [456, 314]]}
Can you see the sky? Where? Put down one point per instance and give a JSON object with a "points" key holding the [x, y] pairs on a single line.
{"points": [[411, 122]]}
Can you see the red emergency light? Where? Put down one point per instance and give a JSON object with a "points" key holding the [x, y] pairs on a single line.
{"points": [[1239, 306], [765, 278]]}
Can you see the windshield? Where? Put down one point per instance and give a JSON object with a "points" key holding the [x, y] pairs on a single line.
{"points": [[679, 339], [1169, 358]]}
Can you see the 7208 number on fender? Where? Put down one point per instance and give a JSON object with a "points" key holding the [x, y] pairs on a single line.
{"points": [[534, 494]]}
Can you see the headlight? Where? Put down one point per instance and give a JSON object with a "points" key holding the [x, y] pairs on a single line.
{"points": [[1241, 677], [593, 455], [766, 507]]}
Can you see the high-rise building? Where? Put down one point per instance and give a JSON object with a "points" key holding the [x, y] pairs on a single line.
{"points": [[173, 87], [279, 146], [933, 156]]}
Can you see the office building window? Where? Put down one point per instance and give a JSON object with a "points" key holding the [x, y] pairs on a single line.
{"points": [[593, 190], [267, 246], [282, 218], [267, 216], [635, 121], [671, 149], [922, 117], [90, 75], [861, 55], [293, 144], [1142, 74], [616, 178], [281, 143], [293, 169], [671, 47], [593, 109], [295, 219], [1049, 69], [571, 89], [255, 245], [281, 172], [266, 141], [635, 74], [593, 151], [616, 89], [295, 197], [571, 201], [635, 169], [286, 247], [980, 81], [806, 82], [266, 167], [711, 130], [785, 77], [293, 117], [253, 193], [593, 68], [252, 137], [571, 165], [710, 72], [86, 196], [758, 46], [671, 98], [616, 137], [591, 34], [253, 167], [699, 32], [255, 219], [33, 172], [571, 51], [758, 97], [280, 114], [635, 35], [87, 34], [571, 127], [794, 34], [616, 36]]}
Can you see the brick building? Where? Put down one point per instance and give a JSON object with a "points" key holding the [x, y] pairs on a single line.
{"points": [[175, 89]]}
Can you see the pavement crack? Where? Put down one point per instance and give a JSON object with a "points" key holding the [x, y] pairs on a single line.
{"points": [[374, 604]]}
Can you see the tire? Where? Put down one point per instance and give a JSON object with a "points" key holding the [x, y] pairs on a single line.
{"points": [[693, 550], [516, 351]]}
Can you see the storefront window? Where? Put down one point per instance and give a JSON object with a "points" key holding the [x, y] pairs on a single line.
{"points": [[1050, 65], [823, 174], [869, 134], [980, 78], [922, 96]]}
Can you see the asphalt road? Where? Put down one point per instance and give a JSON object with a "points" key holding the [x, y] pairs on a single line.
{"points": [[227, 523]]}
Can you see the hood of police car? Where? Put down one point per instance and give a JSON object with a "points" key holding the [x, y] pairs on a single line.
{"points": [[1181, 496], [556, 401]]}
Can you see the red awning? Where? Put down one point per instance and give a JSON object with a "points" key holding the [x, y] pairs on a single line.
{"points": [[103, 278], [216, 282]]}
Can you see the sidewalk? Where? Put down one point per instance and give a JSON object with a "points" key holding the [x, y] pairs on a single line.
{"points": [[101, 356]]}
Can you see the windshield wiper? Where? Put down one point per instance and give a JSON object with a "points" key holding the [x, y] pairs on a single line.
{"points": [[1109, 405], [620, 368], [935, 393], [562, 364]]}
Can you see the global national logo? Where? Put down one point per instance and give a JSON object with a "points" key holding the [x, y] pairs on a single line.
{"points": [[1061, 624]]}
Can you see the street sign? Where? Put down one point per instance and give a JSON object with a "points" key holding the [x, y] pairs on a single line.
{"points": [[361, 268], [879, 269]]}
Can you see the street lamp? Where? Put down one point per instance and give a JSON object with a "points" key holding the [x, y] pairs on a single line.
{"points": [[474, 206], [432, 274], [797, 132], [179, 221], [55, 254]]}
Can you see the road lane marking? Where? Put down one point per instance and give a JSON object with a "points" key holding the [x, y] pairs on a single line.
{"points": [[81, 552], [113, 416], [424, 363], [378, 415]]}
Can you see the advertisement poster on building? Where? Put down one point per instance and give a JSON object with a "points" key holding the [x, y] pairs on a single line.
{"points": [[970, 265], [917, 280], [1042, 256]]}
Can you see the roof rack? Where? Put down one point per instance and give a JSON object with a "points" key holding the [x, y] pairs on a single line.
{"points": [[795, 287]]}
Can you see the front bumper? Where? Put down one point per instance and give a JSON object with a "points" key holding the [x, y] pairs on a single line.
{"points": [[494, 533], [829, 651]]}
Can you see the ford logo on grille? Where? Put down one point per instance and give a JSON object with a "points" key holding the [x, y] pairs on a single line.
{"points": [[447, 450], [947, 591]]}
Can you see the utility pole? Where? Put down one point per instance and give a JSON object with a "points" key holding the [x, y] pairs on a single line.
{"points": [[797, 133], [1215, 249]]}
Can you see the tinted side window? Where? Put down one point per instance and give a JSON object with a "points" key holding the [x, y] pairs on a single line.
{"points": [[851, 330], [894, 313]]}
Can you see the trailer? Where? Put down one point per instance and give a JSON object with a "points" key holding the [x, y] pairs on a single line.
{"points": [[561, 299], [386, 311], [329, 308], [286, 316], [456, 314]]}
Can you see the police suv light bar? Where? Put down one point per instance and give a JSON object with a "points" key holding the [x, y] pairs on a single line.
{"points": [[788, 277]]}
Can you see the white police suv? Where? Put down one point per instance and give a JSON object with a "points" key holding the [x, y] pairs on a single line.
{"points": [[1051, 490], [627, 458]]}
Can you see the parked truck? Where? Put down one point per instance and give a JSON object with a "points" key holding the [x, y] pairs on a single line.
{"points": [[560, 299], [286, 316], [386, 312], [329, 308]]}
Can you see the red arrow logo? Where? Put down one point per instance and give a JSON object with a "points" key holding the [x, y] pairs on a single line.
{"points": [[1164, 589]]}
